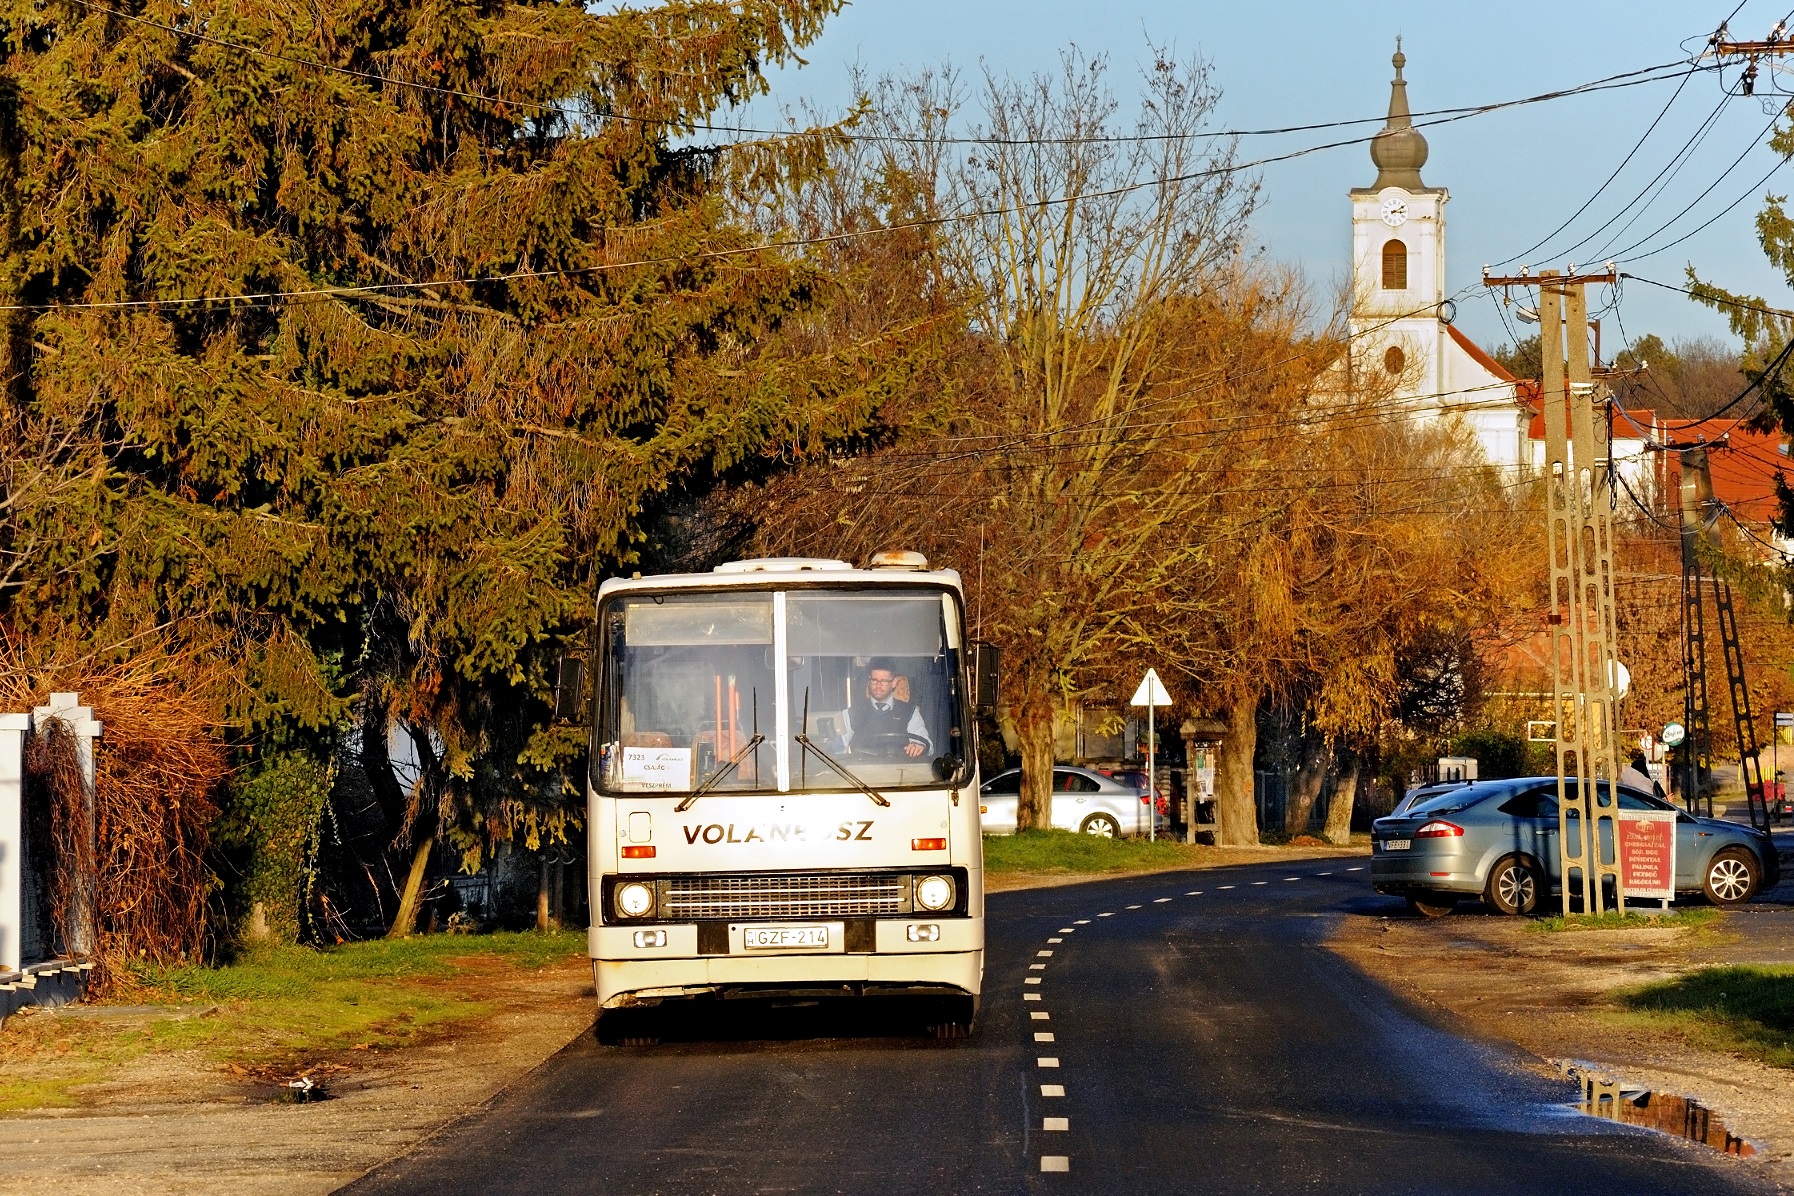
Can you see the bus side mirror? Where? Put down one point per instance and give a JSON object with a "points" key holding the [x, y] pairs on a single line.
{"points": [[987, 666], [569, 689]]}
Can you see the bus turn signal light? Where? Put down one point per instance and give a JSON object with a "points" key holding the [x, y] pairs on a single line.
{"points": [[638, 853], [928, 844]]}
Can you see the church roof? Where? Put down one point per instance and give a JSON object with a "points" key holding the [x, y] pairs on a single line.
{"points": [[1399, 150], [1477, 355]]}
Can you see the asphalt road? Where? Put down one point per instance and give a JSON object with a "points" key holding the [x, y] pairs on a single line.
{"points": [[1203, 1038]]}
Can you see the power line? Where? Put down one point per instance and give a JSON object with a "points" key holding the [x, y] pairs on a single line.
{"points": [[1623, 79]]}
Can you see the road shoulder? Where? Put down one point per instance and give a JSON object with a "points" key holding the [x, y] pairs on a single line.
{"points": [[179, 1121], [1560, 996]]}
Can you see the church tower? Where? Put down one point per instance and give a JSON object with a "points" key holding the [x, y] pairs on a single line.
{"points": [[1401, 319]]}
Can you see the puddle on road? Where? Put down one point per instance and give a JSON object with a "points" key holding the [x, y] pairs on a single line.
{"points": [[302, 1091], [1662, 1111]]}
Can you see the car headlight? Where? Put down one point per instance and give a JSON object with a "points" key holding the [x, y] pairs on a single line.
{"points": [[634, 900], [934, 892]]}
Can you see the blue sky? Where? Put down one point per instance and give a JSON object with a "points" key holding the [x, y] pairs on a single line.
{"points": [[1513, 176]]}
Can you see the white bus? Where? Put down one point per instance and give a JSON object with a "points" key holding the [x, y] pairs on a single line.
{"points": [[783, 796]]}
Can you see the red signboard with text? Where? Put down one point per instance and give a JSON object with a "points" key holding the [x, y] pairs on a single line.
{"points": [[1648, 853]]}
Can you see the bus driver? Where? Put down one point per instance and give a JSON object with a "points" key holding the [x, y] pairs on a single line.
{"points": [[888, 724]]}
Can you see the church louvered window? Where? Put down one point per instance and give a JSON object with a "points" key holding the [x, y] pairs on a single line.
{"points": [[1395, 266]]}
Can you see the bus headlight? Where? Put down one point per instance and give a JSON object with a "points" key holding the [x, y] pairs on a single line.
{"points": [[934, 892], [634, 900]]}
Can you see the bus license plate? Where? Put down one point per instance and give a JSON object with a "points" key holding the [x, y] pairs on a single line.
{"points": [[1397, 844], [784, 938]]}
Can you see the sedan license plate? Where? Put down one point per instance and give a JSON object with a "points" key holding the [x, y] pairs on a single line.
{"points": [[1397, 844], [784, 938]]}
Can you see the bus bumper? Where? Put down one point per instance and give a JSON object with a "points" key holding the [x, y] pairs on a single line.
{"points": [[626, 975]]}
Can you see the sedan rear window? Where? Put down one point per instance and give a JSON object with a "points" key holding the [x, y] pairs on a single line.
{"points": [[1007, 783], [1449, 803]]}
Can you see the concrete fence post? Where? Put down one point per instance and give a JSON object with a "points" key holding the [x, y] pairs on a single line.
{"points": [[82, 930], [13, 729]]}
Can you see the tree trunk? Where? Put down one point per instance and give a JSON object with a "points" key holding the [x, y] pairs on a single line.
{"points": [[406, 920], [1339, 812], [423, 832], [1236, 814], [542, 920], [1316, 755], [1034, 727]]}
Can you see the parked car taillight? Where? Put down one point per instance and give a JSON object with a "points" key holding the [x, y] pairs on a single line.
{"points": [[1439, 830]]}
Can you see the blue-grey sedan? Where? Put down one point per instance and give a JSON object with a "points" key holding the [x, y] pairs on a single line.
{"points": [[1498, 840]]}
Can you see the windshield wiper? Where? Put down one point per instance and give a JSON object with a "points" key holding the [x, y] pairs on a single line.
{"points": [[868, 790], [718, 773]]}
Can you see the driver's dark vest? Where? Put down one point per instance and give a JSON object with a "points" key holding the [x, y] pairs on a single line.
{"points": [[878, 723]]}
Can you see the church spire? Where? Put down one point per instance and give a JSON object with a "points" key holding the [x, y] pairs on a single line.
{"points": [[1398, 149]]}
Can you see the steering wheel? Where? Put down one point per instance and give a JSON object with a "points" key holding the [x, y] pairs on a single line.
{"points": [[883, 745]]}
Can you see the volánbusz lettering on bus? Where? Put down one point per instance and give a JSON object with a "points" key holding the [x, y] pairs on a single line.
{"points": [[773, 832]]}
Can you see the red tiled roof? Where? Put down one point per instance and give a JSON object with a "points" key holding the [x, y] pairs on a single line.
{"points": [[1743, 463]]}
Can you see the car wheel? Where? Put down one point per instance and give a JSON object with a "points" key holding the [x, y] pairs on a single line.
{"points": [[1732, 877], [1514, 887], [1100, 825], [1433, 905]]}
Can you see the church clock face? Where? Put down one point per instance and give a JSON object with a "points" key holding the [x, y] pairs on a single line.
{"points": [[1395, 211]]}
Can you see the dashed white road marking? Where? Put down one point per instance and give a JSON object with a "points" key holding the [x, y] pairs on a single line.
{"points": [[1043, 954], [1081, 922], [1292, 878], [1040, 1015], [1031, 980], [1040, 1036], [1323, 874], [1108, 915], [1037, 967], [1160, 900], [1046, 1061], [1055, 1162], [1227, 886], [1194, 893], [1055, 939], [1261, 882], [1052, 1090], [1068, 929], [1030, 996], [1055, 1123], [1354, 869], [1133, 907]]}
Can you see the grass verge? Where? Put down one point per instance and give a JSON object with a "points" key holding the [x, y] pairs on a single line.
{"points": [[1067, 853], [1743, 1009], [272, 1009], [1692, 918]]}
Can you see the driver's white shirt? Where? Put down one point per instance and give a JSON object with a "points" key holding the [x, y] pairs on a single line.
{"points": [[917, 727]]}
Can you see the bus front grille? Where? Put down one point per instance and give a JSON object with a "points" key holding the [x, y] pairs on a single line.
{"points": [[827, 895]]}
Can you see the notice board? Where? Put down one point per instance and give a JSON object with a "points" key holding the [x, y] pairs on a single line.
{"points": [[1648, 853]]}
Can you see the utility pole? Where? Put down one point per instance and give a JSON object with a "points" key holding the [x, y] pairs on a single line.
{"points": [[1696, 492], [1776, 44], [1579, 501]]}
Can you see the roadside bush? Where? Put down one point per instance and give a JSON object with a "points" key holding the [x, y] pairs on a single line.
{"points": [[1498, 754], [272, 821]]}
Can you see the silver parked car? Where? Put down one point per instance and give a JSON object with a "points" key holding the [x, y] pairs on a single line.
{"points": [[1083, 800], [1498, 840]]}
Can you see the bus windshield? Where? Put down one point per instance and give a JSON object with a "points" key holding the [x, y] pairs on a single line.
{"points": [[756, 691]]}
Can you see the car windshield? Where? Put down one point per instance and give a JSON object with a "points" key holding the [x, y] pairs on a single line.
{"points": [[696, 693]]}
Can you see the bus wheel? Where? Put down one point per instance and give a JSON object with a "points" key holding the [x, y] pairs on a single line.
{"points": [[627, 1027], [956, 1017]]}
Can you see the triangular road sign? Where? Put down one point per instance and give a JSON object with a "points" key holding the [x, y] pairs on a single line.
{"points": [[1151, 691]]}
